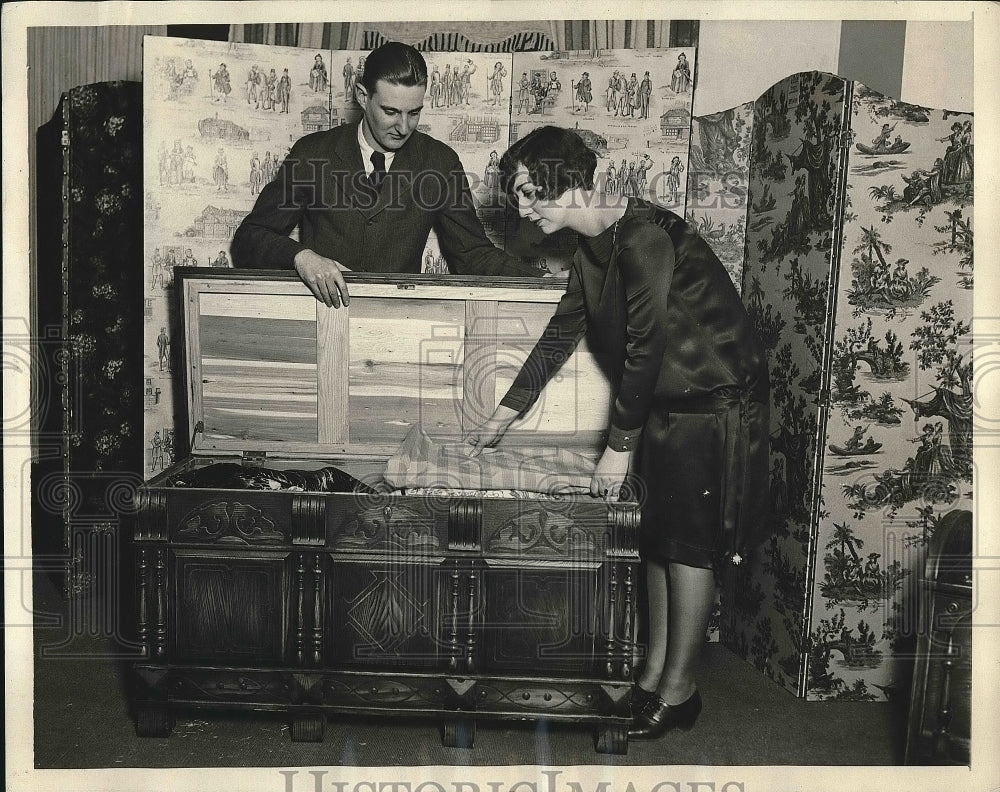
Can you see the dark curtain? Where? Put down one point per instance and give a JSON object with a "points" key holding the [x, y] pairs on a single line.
{"points": [[496, 36]]}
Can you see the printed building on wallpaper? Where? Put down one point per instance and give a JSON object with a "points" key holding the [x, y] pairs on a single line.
{"points": [[476, 130], [315, 119], [222, 129], [216, 223], [675, 124]]}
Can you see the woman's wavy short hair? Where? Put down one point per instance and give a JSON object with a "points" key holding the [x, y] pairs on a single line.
{"points": [[557, 160]]}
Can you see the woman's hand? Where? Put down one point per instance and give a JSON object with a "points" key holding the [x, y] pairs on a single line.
{"points": [[609, 476], [489, 433]]}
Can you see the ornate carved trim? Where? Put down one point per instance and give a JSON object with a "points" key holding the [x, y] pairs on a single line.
{"points": [[628, 624], [624, 528], [317, 629], [225, 522], [470, 636], [465, 524], [388, 527], [151, 520], [142, 574], [160, 648], [612, 607], [308, 519], [454, 579], [381, 692], [300, 624], [551, 697], [540, 530]]}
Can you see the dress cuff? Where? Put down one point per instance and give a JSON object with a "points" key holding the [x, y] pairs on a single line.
{"points": [[519, 400], [623, 439]]}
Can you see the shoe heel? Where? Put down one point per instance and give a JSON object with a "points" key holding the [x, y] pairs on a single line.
{"points": [[691, 716]]}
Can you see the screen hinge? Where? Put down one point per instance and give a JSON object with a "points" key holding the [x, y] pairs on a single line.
{"points": [[254, 457]]}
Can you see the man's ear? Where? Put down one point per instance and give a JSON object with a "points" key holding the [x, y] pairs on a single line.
{"points": [[361, 95]]}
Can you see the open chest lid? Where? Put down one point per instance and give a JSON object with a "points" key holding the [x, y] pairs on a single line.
{"points": [[269, 370]]}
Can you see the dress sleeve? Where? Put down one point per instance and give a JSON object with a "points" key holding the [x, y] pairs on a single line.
{"points": [[464, 243], [646, 266], [262, 240], [563, 332]]}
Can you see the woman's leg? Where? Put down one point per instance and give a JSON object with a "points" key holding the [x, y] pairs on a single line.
{"points": [[656, 650], [691, 596]]}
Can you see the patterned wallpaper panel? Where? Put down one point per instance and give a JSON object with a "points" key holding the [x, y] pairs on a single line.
{"points": [[219, 119], [631, 107]]}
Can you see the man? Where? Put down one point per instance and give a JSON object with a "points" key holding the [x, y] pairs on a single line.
{"points": [[365, 196]]}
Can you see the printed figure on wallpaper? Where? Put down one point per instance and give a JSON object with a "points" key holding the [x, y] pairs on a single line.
{"points": [[680, 79], [319, 79], [622, 105], [880, 143], [852, 580], [943, 456], [584, 93], [958, 238], [809, 164], [163, 349], [161, 450], [717, 183], [221, 84], [855, 647], [857, 444], [944, 175], [157, 274], [496, 84], [178, 76], [877, 286]]}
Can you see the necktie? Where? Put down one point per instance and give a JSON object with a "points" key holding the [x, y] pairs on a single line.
{"points": [[378, 173]]}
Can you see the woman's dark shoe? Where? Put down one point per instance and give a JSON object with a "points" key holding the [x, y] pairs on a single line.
{"points": [[640, 697], [657, 717]]}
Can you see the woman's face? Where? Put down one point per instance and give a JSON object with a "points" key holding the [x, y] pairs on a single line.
{"points": [[549, 214]]}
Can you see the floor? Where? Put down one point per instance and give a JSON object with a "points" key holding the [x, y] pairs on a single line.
{"points": [[82, 720]]}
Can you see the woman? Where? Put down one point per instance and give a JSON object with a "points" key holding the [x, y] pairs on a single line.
{"points": [[689, 392], [680, 80], [318, 78], [491, 178]]}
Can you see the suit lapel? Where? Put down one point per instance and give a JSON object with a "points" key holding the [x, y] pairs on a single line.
{"points": [[398, 178], [348, 168], [348, 152]]}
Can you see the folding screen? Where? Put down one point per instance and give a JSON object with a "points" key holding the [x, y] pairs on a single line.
{"points": [[858, 274]]}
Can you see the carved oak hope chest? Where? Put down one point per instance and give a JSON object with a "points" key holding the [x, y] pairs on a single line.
{"points": [[454, 605]]}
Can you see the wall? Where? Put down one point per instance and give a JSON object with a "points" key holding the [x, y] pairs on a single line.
{"points": [[936, 69], [740, 60], [938, 65]]}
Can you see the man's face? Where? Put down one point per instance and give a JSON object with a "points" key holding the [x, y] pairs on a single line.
{"points": [[392, 112]]}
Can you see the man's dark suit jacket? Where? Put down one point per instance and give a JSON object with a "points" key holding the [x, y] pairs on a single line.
{"points": [[321, 187]]}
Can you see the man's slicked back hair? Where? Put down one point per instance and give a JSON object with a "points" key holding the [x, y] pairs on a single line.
{"points": [[396, 63]]}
